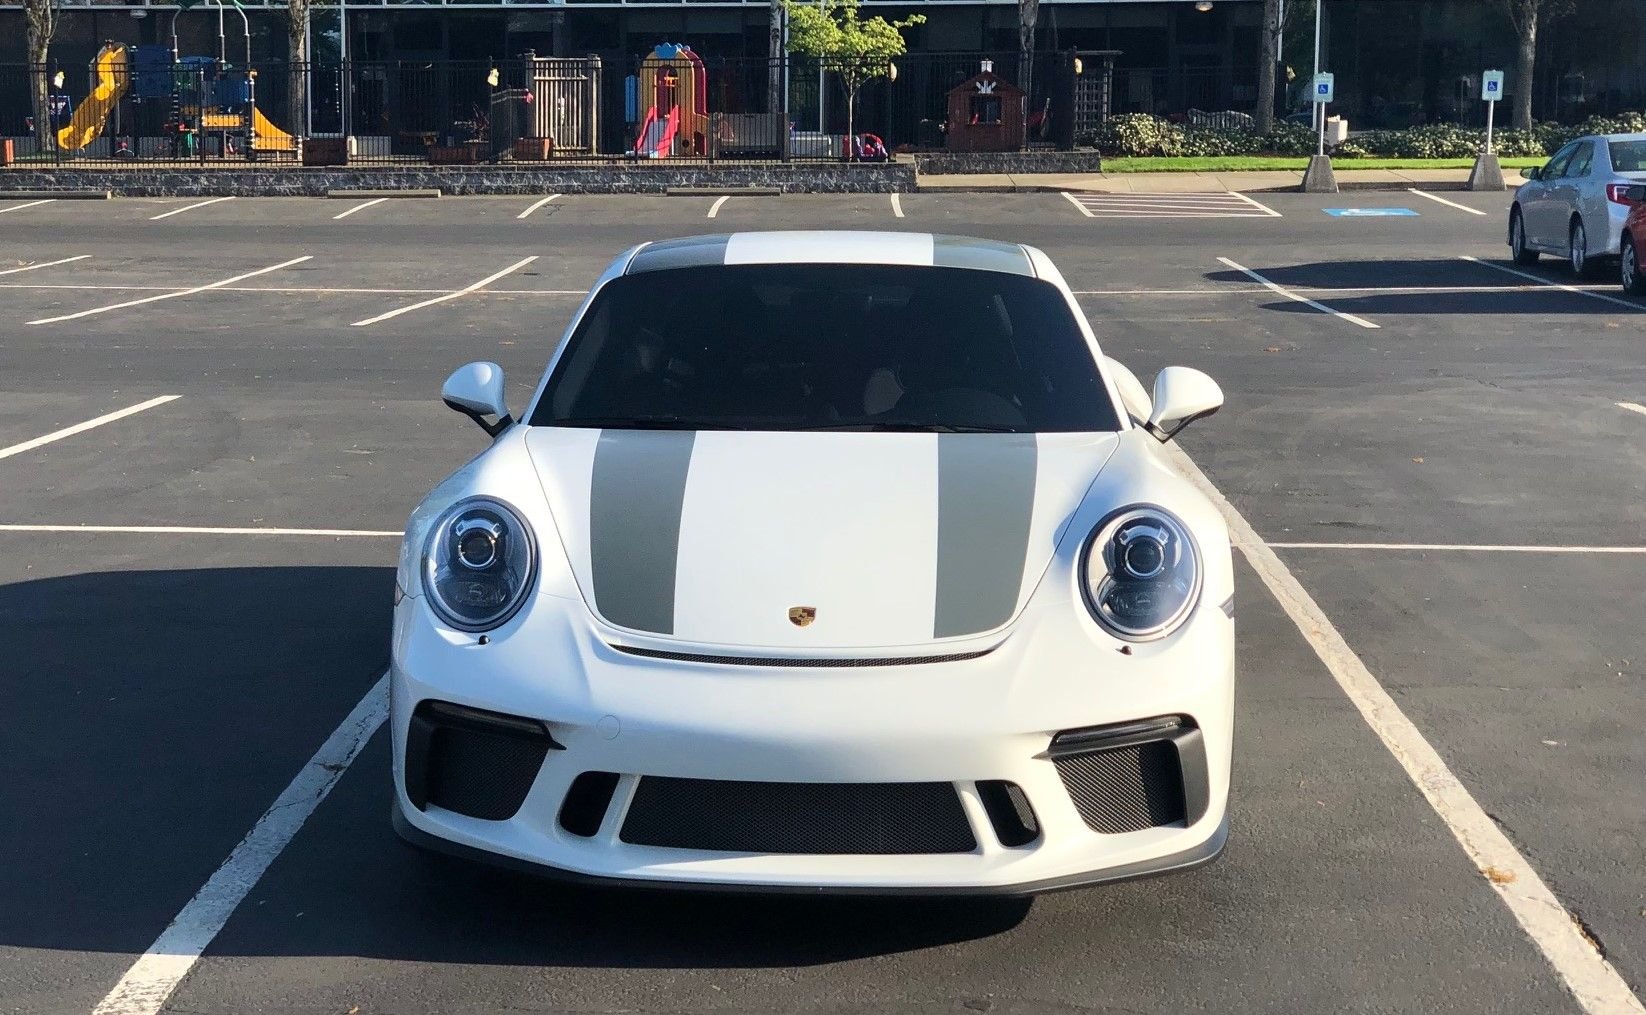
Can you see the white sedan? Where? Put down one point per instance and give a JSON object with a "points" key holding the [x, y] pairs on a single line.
{"points": [[821, 561]]}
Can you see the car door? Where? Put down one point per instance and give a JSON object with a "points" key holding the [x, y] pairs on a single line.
{"points": [[1567, 195], [1535, 205]]}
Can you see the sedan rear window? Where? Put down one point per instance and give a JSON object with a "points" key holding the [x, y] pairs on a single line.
{"points": [[828, 347], [1629, 156]]}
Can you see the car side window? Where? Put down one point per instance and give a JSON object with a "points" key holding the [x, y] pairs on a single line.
{"points": [[1582, 159], [1557, 165]]}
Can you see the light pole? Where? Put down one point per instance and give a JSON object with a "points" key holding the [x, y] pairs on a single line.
{"points": [[1320, 110]]}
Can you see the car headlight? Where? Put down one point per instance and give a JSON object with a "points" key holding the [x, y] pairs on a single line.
{"points": [[478, 564], [1141, 573]]}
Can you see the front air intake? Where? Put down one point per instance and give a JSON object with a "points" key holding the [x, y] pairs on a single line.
{"points": [[473, 762], [1132, 776]]}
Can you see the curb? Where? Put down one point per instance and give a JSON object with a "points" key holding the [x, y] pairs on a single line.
{"points": [[56, 195], [382, 193]]}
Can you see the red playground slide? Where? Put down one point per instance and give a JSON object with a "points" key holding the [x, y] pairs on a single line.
{"points": [[656, 138]]}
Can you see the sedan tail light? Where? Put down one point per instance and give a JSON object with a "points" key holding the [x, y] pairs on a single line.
{"points": [[1619, 193]]}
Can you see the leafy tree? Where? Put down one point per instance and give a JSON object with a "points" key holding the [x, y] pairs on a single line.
{"points": [[42, 25], [1528, 16], [855, 48]]}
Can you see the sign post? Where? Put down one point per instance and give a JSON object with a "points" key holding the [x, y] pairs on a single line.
{"points": [[1324, 86], [1487, 173], [1318, 178]]}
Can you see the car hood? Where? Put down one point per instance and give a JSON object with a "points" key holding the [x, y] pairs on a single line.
{"points": [[812, 541]]}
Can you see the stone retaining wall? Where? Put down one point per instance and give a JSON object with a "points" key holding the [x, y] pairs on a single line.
{"points": [[945, 163], [301, 181]]}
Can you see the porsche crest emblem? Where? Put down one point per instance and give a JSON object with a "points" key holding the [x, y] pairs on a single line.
{"points": [[802, 616]]}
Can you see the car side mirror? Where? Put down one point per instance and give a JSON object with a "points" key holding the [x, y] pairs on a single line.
{"points": [[1133, 396], [1534, 173], [1181, 396], [476, 390]]}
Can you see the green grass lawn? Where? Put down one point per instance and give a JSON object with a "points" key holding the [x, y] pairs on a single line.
{"points": [[1238, 163]]}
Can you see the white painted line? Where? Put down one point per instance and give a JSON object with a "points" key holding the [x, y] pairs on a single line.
{"points": [[488, 280], [176, 293], [1199, 201], [70, 431], [1256, 204], [536, 206], [358, 207], [1547, 283], [31, 204], [1632, 407], [1329, 290], [1076, 202], [198, 530], [1591, 979], [897, 206], [320, 290], [1441, 200], [714, 209], [1323, 308], [189, 207], [44, 264], [1459, 547], [155, 975], [1176, 215]]}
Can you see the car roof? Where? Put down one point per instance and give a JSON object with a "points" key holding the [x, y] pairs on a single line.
{"points": [[1612, 137], [833, 247]]}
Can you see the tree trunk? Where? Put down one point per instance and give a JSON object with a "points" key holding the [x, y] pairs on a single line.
{"points": [[41, 23], [774, 56], [1267, 69], [1524, 68], [297, 92], [851, 121], [1028, 14]]}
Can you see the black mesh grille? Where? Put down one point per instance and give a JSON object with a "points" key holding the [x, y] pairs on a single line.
{"points": [[800, 662], [1125, 789], [776, 817], [481, 774]]}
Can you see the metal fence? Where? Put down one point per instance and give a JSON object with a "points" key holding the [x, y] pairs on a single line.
{"points": [[140, 107]]}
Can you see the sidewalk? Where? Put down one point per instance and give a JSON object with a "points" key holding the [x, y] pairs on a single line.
{"points": [[1348, 178]]}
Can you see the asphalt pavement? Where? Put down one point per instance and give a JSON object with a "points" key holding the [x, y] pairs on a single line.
{"points": [[1438, 447]]}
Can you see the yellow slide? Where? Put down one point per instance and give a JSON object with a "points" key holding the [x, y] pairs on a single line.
{"points": [[269, 137], [88, 120]]}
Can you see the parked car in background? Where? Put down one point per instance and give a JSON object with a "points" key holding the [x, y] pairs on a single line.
{"points": [[1574, 206], [1632, 247]]}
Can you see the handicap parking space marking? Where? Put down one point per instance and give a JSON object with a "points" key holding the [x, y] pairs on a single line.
{"points": [[43, 264], [189, 207], [1552, 284], [359, 207], [31, 204], [1205, 205], [90, 424], [536, 205], [174, 294], [1370, 213], [1282, 291], [1441, 200]]}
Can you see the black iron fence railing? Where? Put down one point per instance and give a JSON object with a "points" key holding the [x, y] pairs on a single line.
{"points": [[138, 106]]}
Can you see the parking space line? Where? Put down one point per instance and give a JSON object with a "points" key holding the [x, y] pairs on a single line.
{"points": [[70, 431], [201, 530], [177, 293], [488, 280], [1460, 547], [1257, 204], [1323, 308], [1551, 284], [1074, 201], [150, 981], [31, 204], [1441, 200], [536, 206], [359, 207], [714, 209], [188, 207], [44, 264], [1632, 407], [1590, 978], [897, 206]]}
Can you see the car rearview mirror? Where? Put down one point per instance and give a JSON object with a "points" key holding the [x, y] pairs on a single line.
{"points": [[476, 390], [1134, 397], [1181, 396]]}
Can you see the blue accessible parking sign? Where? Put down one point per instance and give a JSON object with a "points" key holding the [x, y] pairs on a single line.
{"points": [[1371, 213]]}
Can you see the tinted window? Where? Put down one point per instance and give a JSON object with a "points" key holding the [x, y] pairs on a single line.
{"points": [[1557, 165], [1628, 156], [850, 347], [1581, 160]]}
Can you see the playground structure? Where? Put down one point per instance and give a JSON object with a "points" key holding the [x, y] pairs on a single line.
{"points": [[674, 84], [179, 99]]}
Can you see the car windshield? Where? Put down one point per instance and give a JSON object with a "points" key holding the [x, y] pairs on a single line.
{"points": [[1629, 156], [828, 347]]}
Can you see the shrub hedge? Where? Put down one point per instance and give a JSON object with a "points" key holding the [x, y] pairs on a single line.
{"points": [[1139, 134]]}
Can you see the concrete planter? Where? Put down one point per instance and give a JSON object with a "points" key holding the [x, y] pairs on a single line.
{"points": [[326, 151], [454, 155], [534, 149]]}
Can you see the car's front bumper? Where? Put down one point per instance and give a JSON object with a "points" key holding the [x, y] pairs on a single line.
{"points": [[969, 724]]}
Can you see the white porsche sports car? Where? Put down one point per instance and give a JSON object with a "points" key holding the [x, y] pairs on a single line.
{"points": [[822, 561]]}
